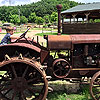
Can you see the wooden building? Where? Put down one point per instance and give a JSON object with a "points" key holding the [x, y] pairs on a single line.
{"points": [[88, 13]]}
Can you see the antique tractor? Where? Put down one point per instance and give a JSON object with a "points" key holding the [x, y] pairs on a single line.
{"points": [[25, 65]]}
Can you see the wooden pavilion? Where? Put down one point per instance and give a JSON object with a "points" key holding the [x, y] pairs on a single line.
{"points": [[84, 12]]}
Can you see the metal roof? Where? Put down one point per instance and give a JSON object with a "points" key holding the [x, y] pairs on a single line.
{"points": [[81, 8]]}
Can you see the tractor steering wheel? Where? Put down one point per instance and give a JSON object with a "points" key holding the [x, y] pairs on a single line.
{"points": [[23, 35]]}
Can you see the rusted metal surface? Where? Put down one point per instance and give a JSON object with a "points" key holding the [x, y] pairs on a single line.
{"points": [[23, 45], [56, 42], [85, 38], [65, 41], [19, 74], [43, 55], [85, 69], [29, 41]]}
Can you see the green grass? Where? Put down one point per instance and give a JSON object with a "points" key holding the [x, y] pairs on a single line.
{"points": [[2, 72], [82, 95], [48, 29], [36, 28], [42, 34], [64, 96], [50, 33]]}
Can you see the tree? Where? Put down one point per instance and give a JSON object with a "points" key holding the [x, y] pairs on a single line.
{"points": [[47, 18], [23, 20], [53, 17], [32, 17], [39, 20], [15, 19]]}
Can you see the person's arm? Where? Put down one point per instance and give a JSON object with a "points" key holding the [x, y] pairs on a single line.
{"points": [[13, 37]]}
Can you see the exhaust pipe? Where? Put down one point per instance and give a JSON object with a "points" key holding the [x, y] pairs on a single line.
{"points": [[59, 18]]}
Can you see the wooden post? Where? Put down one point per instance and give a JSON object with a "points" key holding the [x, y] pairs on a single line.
{"points": [[77, 19], [42, 29], [62, 19], [83, 19], [70, 20], [74, 15], [87, 17], [62, 22]]}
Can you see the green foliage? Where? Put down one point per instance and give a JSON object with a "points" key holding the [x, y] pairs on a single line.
{"points": [[86, 92], [32, 17], [97, 20], [65, 96], [54, 17], [39, 20], [41, 8], [47, 18], [14, 19], [82, 95], [23, 20]]}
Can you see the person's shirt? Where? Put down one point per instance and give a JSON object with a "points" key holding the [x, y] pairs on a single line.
{"points": [[6, 39]]}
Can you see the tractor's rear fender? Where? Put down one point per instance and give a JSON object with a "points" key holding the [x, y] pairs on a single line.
{"points": [[25, 49]]}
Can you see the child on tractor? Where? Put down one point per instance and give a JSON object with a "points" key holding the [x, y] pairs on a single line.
{"points": [[7, 38]]}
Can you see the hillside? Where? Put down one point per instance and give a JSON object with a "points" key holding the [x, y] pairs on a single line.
{"points": [[41, 8], [44, 7]]}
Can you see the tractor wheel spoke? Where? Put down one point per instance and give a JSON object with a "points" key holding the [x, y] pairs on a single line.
{"points": [[24, 97], [56, 70], [13, 69], [25, 71]]}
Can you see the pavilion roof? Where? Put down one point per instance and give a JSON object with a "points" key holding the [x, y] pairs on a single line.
{"points": [[85, 8]]}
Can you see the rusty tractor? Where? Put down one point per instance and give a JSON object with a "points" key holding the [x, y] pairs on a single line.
{"points": [[25, 65]]}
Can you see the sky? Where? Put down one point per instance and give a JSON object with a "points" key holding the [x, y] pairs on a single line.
{"points": [[16, 2], [21, 2]]}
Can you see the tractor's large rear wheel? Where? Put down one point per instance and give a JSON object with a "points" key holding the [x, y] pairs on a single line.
{"points": [[22, 79], [95, 86]]}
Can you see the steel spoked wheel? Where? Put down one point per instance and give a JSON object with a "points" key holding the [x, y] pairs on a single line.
{"points": [[61, 68], [95, 86], [22, 80]]}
